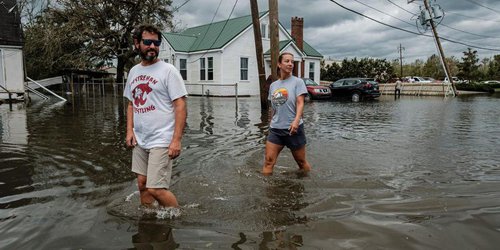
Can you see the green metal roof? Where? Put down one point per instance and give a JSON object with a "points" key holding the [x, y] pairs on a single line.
{"points": [[209, 36], [308, 50], [281, 45], [218, 34], [179, 42]]}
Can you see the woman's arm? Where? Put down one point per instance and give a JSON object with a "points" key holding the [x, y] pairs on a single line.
{"points": [[298, 114]]}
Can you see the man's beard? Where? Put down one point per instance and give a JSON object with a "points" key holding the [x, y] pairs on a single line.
{"points": [[146, 57]]}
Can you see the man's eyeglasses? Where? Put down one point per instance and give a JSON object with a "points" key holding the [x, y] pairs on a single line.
{"points": [[148, 42]]}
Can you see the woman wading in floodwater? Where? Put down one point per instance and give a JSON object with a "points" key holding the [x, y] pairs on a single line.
{"points": [[286, 129]]}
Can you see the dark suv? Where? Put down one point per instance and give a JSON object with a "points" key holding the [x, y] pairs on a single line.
{"points": [[355, 88]]}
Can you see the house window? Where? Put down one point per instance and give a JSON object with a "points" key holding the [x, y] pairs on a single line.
{"points": [[311, 70], [210, 69], [263, 30], [202, 69], [244, 69], [183, 68]]}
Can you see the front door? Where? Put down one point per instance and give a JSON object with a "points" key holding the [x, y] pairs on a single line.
{"points": [[296, 68]]}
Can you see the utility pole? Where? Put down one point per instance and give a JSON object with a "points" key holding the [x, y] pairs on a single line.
{"points": [[438, 42], [273, 18], [400, 49], [259, 53]]}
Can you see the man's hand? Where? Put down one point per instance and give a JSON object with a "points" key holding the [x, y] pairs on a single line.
{"points": [[174, 149], [130, 139]]}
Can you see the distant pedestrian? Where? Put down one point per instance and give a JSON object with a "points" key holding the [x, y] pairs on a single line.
{"points": [[397, 88], [156, 116], [287, 96]]}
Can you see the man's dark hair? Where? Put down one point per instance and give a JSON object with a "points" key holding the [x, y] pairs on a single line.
{"points": [[137, 33]]}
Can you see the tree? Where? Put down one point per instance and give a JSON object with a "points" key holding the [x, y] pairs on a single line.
{"points": [[494, 68], [330, 72], [483, 68], [380, 69], [452, 65], [91, 33], [433, 67], [468, 67], [396, 68]]}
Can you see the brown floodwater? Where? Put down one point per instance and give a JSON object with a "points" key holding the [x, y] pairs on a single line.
{"points": [[412, 173]]}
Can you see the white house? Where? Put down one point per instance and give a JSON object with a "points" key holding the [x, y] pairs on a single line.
{"points": [[218, 55], [11, 52]]}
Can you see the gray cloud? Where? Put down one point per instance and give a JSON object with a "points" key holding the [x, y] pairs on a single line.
{"points": [[338, 33]]}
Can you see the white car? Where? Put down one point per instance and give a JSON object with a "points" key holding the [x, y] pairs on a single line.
{"points": [[491, 82], [417, 79], [454, 78]]}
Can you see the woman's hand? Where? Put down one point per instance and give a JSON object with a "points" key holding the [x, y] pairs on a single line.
{"points": [[294, 127]]}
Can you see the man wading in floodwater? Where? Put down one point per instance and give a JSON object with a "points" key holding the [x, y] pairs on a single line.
{"points": [[156, 116]]}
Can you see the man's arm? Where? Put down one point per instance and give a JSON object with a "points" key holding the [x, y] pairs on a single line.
{"points": [[130, 139], [180, 111]]}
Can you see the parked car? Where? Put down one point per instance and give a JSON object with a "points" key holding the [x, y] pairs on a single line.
{"points": [[316, 91], [429, 79], [490, 82], [454, 78], [355, 88], [418, 79]]}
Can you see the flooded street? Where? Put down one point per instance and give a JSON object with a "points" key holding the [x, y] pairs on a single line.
{"points": [[412, 173]]}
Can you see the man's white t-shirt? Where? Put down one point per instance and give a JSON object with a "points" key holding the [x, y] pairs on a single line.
{"points": [[151, 89]]}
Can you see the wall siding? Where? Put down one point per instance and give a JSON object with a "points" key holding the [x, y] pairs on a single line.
{"points": [[13, 70]]}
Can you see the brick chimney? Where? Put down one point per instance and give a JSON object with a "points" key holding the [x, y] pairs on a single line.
{"points": [[298, 31], [298, 36]]}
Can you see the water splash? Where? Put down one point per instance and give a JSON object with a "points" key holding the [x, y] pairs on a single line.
{"points": [[129, 197], [164, 212]]}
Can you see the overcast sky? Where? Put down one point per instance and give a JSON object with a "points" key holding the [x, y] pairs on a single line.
{"points": [[338, 33]]}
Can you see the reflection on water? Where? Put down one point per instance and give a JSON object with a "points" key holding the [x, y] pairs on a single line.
{"points": [[413, 173], [153, 235]]}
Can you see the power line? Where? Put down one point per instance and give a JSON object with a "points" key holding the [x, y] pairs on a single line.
{"points": [[377, 21], [384, 13], [176, 9], [459, 14], [470, 33], [209, 25], [479, 4], [223, 27], [409, 31], [401, 8], [482, 19], [449, 27]]}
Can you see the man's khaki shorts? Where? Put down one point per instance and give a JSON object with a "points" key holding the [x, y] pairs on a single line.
{"points": [[154, 164]]}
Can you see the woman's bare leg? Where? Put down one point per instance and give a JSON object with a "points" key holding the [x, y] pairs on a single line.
{"points": [[272, 152], [300, 157]]}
